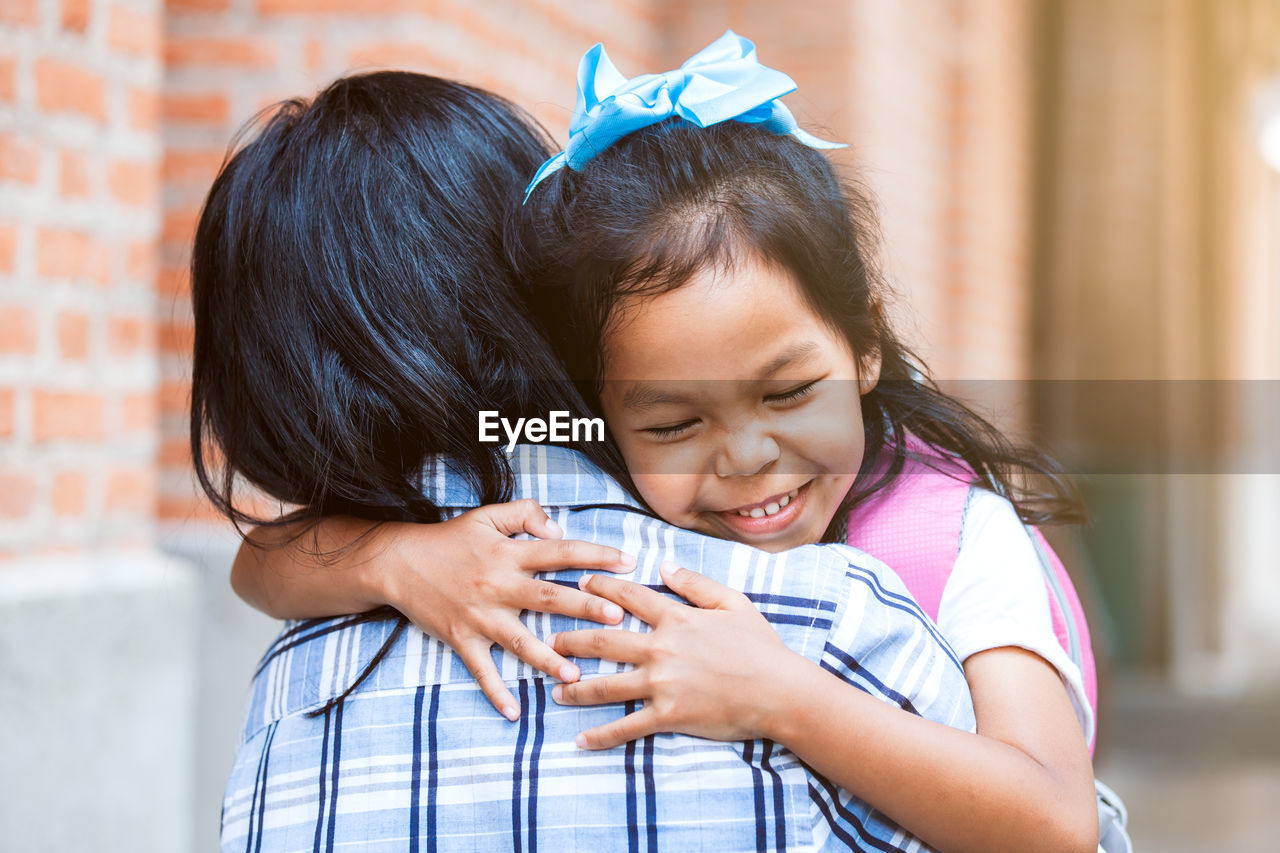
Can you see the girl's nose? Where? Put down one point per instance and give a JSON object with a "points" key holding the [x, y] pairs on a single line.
{"points": [[745, 453]]}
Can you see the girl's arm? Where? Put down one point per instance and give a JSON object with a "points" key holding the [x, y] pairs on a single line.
{"points": [[463, 581], [718, 670]]}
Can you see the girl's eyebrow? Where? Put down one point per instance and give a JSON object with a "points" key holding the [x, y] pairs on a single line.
{"points": [[795, 352], [644, 396]]}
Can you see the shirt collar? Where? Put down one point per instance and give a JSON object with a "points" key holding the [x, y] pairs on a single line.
{"points": [[552, 475]]}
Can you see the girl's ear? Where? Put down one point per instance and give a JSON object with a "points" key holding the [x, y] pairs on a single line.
{"points": [[869, 364], [868, 371]]}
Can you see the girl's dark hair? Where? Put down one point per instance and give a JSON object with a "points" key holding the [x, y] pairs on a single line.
{"points": [[355, 308], [669, 201]]}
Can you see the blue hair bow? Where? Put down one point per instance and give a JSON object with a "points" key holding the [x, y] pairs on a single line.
{"points": [[722, 81]]}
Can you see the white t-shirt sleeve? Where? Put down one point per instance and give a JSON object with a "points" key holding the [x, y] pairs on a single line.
{"points": [[996, 595]]}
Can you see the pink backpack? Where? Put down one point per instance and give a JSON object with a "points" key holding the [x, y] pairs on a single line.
{"points": [[913, 526]]}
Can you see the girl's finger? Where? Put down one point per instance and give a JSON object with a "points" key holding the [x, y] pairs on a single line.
{"points": [[521, 642], [522, 516], [622, 687], [547, 597], [635, 598], [620, 646], [475, 654], [700, 590], [551, 556], [631, 727]]}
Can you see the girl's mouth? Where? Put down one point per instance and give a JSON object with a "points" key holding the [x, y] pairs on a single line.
{"points": [[769, 516]]}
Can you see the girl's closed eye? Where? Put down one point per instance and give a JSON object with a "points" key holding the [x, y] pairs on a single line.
{"points": [[795, 394], [670, 431], [675, 430]]}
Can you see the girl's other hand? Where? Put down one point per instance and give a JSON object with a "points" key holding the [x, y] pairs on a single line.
{"points": [[702, 670], [465, 582]]}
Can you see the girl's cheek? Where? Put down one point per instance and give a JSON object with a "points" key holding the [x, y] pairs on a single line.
{"points": [[664, 494], [656, 459], [829, 436]]}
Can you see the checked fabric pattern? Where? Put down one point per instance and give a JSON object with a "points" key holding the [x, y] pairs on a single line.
{"points": [[417, 760]]}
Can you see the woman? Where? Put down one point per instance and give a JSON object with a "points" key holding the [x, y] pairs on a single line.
{"points": [[354, 310]]}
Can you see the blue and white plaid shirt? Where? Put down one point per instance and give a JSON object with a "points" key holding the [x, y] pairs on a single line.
{"points": [[416, 759]]}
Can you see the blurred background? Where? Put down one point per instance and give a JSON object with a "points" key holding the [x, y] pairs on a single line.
{"points": [[1078, 217]]}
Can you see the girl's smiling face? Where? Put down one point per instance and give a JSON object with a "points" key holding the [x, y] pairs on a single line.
{"points": [[736, 407]]}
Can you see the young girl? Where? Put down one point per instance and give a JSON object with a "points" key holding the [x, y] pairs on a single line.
{"points": [[712, 288]]}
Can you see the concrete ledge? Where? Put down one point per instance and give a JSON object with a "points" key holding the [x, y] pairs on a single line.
{"points": [[98, 674]]}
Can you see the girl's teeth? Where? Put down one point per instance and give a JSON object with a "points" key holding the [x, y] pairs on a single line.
{"points": [[770, 508]]}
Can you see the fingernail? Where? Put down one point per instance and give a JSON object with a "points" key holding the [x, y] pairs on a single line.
{"points": [[551, 640], [556, 693], [554, 529], [612, 612], [511, 712], [668, 567], [581, 741], [627, 560], [568, 672]]}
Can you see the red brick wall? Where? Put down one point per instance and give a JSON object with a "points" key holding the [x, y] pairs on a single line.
{"points": [[990, 196], [940, 94], [79, 217]]}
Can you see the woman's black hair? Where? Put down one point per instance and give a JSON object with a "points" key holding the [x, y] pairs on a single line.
{"points": [[354, 304], [666, 202]]}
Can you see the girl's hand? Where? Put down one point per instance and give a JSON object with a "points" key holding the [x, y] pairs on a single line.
{"points": [[465, 581], [703, 670]]}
